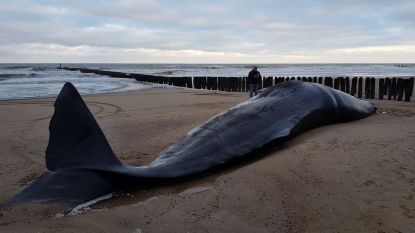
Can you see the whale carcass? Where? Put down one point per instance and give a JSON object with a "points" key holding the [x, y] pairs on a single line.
{"points": [[82, 166]]}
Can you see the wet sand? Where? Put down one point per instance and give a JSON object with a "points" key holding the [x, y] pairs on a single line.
{"points": [[351, 177]]}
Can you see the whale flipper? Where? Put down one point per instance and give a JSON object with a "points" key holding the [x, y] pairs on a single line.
{"points": [[76, 140]]}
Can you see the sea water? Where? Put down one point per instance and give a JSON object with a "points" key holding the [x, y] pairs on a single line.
{"points": [[19, 81], [232, 70]]}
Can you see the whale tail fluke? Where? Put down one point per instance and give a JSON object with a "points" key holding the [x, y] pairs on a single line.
{"points": [[76, 140], [78, 157]]}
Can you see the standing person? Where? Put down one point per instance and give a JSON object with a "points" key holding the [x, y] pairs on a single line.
{"points": [[254, 80]]}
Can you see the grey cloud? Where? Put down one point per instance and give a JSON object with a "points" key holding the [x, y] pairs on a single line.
{"points": [[141, 11], [261, 27]]}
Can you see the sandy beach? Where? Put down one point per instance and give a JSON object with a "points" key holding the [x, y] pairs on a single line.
{"points": [[352, 177]]}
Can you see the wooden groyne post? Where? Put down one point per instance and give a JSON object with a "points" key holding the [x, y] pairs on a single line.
{"points": [[395, 88]]}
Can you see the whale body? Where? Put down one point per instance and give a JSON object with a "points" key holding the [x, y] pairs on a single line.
{"points": [[82, 166]]}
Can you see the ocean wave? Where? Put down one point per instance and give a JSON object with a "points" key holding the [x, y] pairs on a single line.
{"points": [[251, 66], [8, 76], [17, 67], [201, 67], [45, 86], [40, 68], [169, 72], [211, 67], [4, 76], [27, 67]]}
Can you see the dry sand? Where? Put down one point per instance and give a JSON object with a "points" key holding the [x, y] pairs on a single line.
{"points": [[352, 177]]}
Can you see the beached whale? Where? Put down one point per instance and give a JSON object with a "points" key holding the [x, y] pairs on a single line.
{"points": [[82, 165]]}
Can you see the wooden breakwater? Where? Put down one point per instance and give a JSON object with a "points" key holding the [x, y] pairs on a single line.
{"points": [[393, 88]]}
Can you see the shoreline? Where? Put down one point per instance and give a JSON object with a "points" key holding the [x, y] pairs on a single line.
{"points": [[349, 177], [88, 94]]}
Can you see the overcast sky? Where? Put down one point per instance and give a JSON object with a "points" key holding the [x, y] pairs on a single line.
{"points": [[261, 31]]}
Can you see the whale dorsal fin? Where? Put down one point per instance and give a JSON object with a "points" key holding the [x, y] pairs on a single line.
{"points": [[76, 140]]}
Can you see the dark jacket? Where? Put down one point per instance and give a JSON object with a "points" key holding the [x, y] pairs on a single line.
{"points": [[254, 77]]}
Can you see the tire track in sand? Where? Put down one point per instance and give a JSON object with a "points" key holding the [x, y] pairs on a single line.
{"points": [[22, 142], [99, 109]]}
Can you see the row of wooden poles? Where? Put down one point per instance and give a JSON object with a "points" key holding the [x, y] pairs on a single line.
{"points": [[361, 87]]}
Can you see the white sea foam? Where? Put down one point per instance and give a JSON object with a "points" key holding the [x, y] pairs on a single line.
{"points": [[79, 209], [47, 82], [196, 190]]}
